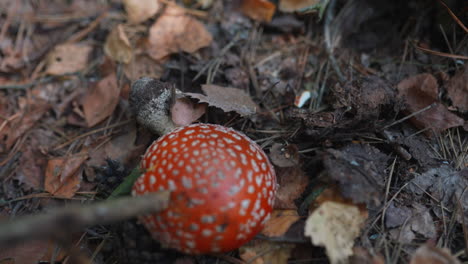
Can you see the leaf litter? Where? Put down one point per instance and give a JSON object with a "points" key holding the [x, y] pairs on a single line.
{"points": [[67, 135]]}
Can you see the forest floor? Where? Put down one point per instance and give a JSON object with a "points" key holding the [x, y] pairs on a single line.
{"points": [[362, 107]]}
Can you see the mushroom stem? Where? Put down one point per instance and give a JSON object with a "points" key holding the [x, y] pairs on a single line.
{"points": [[151, 101]]}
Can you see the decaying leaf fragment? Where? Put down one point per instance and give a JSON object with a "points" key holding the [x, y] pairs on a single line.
{"points": [[420, 91], [457, 90], [63, 177], [427, 254], [264, 251], [226, 98], [279, 222], [184, 112], [335, 225]]}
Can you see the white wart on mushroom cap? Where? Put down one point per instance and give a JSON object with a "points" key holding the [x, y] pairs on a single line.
{"points": [[222, 184]]}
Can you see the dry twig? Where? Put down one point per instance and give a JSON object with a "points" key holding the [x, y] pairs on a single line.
{"points": [[61, 222]]}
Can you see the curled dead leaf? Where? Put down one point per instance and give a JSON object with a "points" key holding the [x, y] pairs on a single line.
{"points": [[421, 91], [118, 45], [63, 176], [176, 31], [185, 112]]}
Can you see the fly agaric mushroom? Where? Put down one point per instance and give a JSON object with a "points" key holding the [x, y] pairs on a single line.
{"points": [[222, 183]]}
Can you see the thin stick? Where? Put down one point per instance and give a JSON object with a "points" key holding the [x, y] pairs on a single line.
{"points": [[61, 222], [410, 116], [454, 16]]}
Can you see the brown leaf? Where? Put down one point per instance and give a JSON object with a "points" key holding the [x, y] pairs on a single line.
{"points": [[68, 58], [279, 222], [335, 225], [63, 175], [428, 254], [362, 256], [457, 90], [268, 252], [226, 98], [284, 156], [185, 112], [121, 148], [261, 10], [25, 119], [26, 252], [143, 66], [140, 10], [101, 101], [175, 31], [359, 171], [31, 168], [295, 5], [292, 182], [118, 46], [421, 91]]}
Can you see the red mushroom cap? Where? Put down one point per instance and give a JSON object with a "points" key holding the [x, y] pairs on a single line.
{"points": [[222, 188]]}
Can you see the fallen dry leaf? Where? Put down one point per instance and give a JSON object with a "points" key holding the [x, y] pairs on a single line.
{"points": [[143, 66], [176, 31], [292, 182], [25, 252], [68, 58], [63, 176], [420, 91], [266, 252], [428, 254], [100, 102], [422, 221], [226, 98], [279, 222], [360, 171], [185, 112], [403, 234], [396, 216], [457, 90], [261, 10], [118, 45], [363, 256], [30, 112], [140, 10], [284, 156], [335, 225], [121, 148], [30, 171], [295, 5]]}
